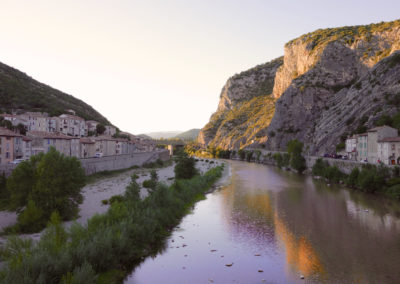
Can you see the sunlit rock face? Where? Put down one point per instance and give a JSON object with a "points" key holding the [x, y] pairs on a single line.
{"points": [[245, 105], [329, 83]]}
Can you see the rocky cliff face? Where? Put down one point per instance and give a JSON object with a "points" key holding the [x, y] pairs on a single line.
{"points": [[245, 108], [331, 83]]}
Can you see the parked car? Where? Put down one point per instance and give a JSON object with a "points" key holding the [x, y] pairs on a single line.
{"points": [[98, 155], [345, 157], [17, 161]]}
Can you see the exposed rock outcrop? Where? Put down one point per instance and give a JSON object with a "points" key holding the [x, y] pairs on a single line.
{"points": [[245, 106], [331, 83]]}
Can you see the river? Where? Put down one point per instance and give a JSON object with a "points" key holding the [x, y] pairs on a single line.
{"points": [[272, 226]]}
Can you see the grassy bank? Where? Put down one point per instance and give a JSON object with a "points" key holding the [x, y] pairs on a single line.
{"points": [[111, 244]]}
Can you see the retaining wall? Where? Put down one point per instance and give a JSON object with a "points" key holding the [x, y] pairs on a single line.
{"points": [[112, 163], [109, 163]]}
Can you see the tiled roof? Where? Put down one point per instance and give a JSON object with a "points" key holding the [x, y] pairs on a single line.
{"points": [[7, 132], [86, 141], [390, 139], [378, 128], [70, 116], [49, 135]]}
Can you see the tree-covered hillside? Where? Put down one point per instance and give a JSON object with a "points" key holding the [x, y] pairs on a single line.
{"points": [[19, 91]]}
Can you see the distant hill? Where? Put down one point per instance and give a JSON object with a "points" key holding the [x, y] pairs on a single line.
{"points": [[19, 91], [163, 134], [144, 136], [189, 135]]}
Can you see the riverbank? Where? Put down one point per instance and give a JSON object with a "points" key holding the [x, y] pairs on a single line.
{"points": [[128, 232]]}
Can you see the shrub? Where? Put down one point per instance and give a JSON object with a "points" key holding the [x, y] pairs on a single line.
{"points": [[31, 219], [319, 168], [249, 155], [351, 180], [242, 154], [104, 201], [150, 184], [185, 167], [116, 198], [394, 191]]}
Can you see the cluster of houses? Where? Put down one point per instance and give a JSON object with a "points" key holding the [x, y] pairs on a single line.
{"points": [[378, 145], [68, 134]]}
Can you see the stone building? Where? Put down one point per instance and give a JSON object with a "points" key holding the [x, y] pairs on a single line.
{"points": [[389, 151], [10, 146], [362, 147], [376, 134]]}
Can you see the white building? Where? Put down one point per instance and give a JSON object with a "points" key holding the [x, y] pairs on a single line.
{"points": [[72, 125], [376, 134], [389, 151], [351, 147]]}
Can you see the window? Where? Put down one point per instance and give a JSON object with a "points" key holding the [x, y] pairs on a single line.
{"points": [[8, 155], [48, 141]]}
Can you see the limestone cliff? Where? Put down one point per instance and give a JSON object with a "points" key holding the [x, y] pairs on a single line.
{"points": [[331, 83], [245, 108]]}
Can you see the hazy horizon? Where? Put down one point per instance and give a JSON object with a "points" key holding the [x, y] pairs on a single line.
{"points": [[153, 66]]}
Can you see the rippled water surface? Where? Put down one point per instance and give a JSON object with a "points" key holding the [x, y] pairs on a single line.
{"points": [[273, 226]]}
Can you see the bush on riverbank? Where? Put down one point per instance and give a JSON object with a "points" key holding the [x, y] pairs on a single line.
{"points": [[110, 243], [185, 167], [370, 179]]}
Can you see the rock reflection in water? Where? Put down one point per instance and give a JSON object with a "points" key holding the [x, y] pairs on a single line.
{"points": [[276, 225]]}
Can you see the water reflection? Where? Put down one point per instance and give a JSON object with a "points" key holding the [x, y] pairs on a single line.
{"points": [[285, 225]]}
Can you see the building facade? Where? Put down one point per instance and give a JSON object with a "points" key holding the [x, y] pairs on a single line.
{"points": [[374, 135]]}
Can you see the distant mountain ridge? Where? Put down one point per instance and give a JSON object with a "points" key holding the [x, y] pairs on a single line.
{"points": [[184, 135], [191, 134], [162, 134], [19, 91]]}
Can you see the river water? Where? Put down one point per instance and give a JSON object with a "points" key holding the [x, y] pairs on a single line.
{"points": [[273, 226]]}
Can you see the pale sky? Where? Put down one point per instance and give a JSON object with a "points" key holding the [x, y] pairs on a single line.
{"points": [[160, 65]]}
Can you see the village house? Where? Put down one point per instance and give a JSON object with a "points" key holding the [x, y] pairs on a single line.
{"points": [[389, 151], [91, 126], [42, 141], [10, 146], [87, 147], [105, 145], [374, 135], [362, 147], [110, 130], [72, 125], [35, 121], [122, 146], [351, 147], [26, 147], [15, 119], [53, 124]]}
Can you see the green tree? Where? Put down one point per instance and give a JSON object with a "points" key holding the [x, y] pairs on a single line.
{"points": [[297, 161], [52, 181], [133, 189], [185, 167], [100, 128]]}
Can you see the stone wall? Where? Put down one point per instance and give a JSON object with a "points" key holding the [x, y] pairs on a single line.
{"points": [[112, 163], [109, 163], [345, 166]]}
